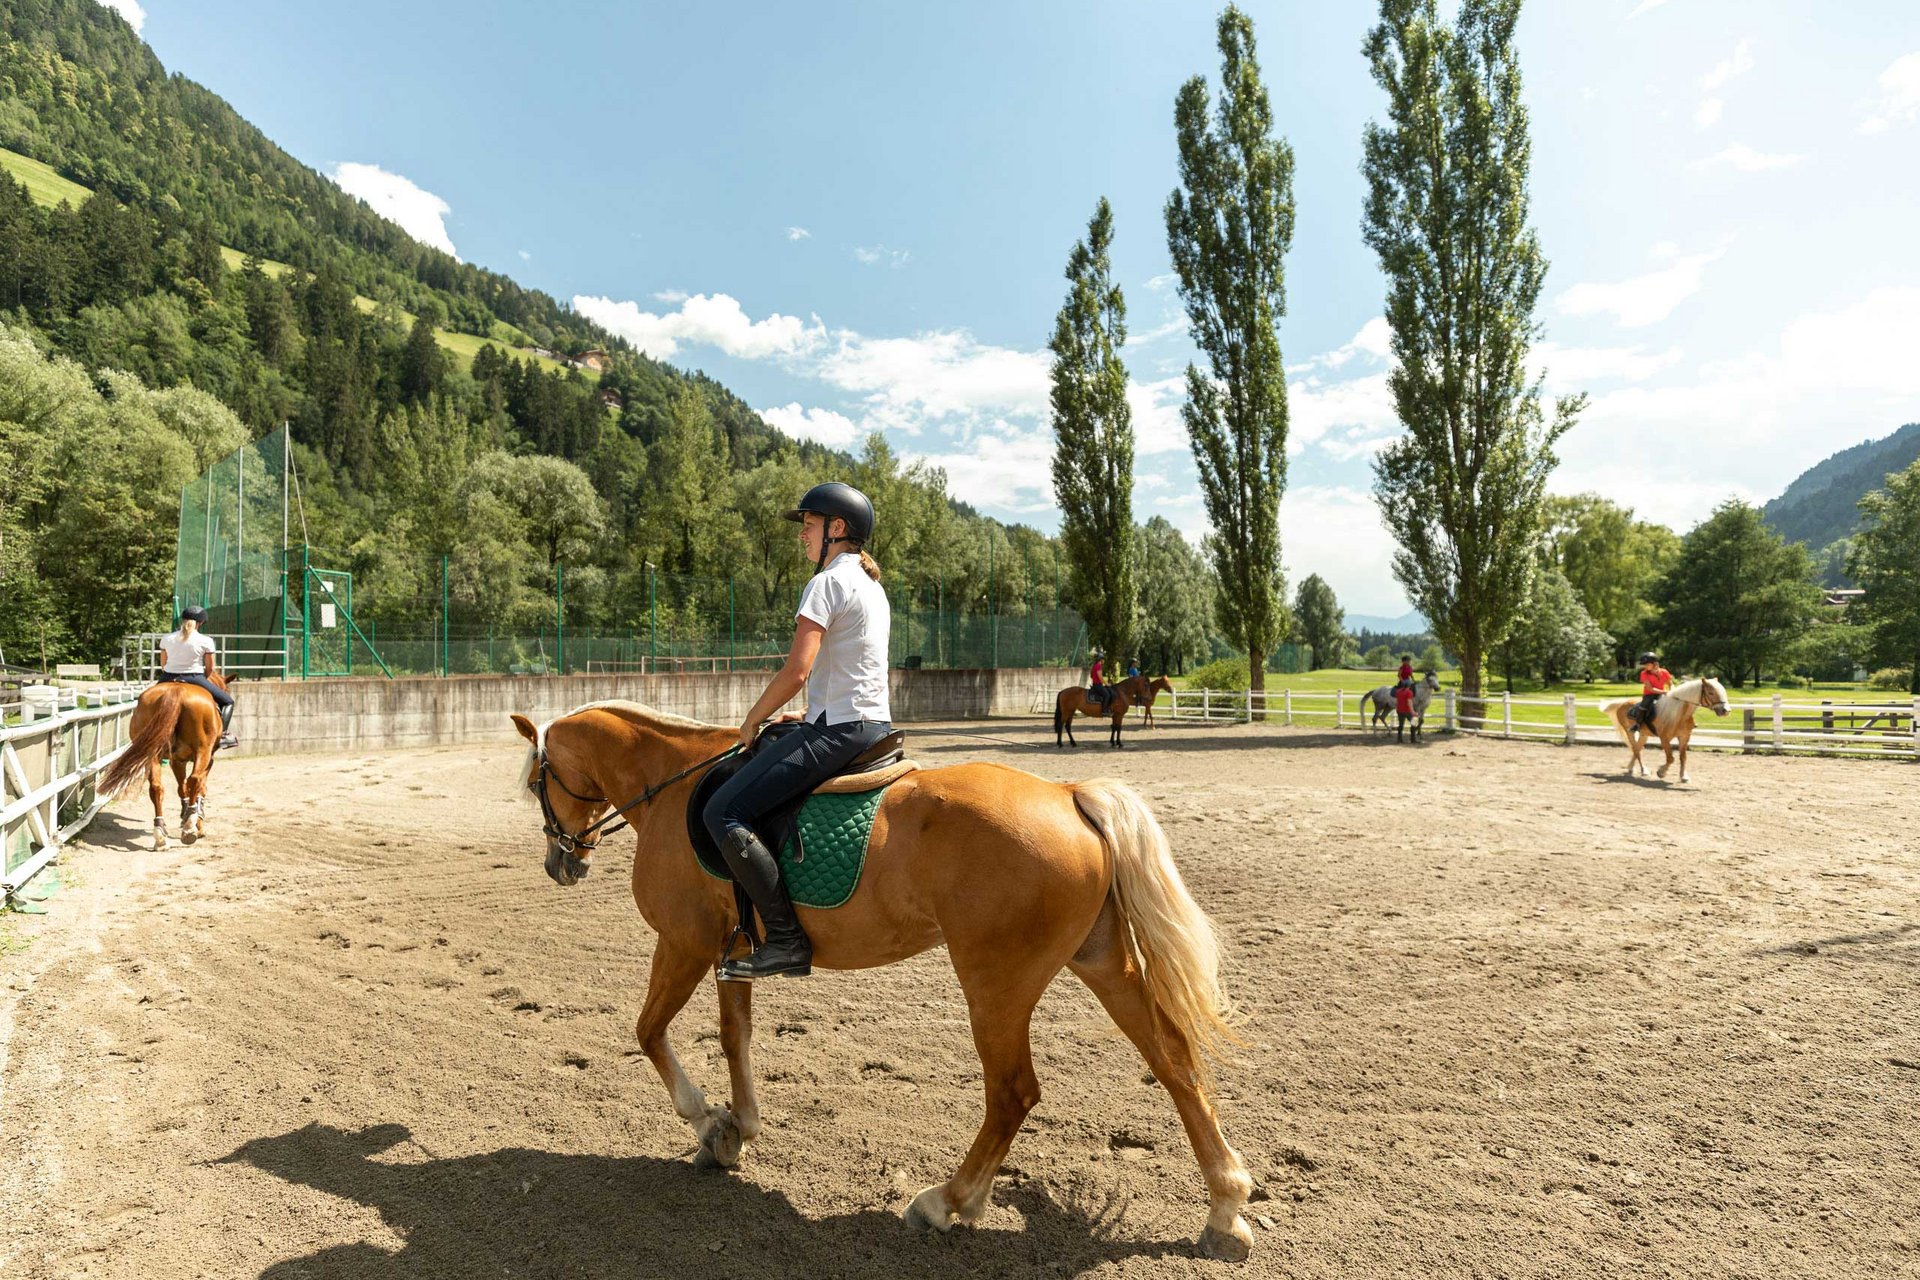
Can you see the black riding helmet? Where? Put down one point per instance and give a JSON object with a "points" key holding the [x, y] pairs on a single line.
{"points": [[1649, 657], [194, 613], [842, 500]]}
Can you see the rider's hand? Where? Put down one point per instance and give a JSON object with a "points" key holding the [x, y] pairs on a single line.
{"points": [[748, 732]]}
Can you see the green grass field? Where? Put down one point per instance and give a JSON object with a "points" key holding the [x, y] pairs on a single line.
{"points": [[1587, 696], [42, 183]]}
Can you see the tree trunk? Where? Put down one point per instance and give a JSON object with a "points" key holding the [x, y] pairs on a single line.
{"points": [[1257, 680], [1472, 713]]}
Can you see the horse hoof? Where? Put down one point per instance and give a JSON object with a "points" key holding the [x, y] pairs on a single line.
{"points": [[1232, 1245], [160, 843], [929, 1209], [720, 1147]]}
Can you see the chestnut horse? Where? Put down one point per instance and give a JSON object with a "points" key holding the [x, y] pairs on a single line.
{"points": [[1075, 700], [1142, 691], [182, 723], [1672, 721], [1016, 876]]}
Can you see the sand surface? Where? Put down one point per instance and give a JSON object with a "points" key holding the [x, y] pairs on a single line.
{"points": [[1512, 1015]]}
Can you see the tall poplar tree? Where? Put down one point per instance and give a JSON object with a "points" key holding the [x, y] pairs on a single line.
{"points": [[1093, 441], [1228, 228], [1447, 213]]}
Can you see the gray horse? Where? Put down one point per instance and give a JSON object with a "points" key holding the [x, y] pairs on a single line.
{"points": [[1381, 700]]}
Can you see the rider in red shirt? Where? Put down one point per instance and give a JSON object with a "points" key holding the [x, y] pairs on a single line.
{"points": [[1406, 668], [1403, 703], [1097, 689], [1655, 680]]}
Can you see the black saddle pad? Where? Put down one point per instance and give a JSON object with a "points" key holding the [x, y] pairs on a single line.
{"points": [[774, 830]]}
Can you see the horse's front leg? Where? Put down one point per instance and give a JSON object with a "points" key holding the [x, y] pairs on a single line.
{"points": [[1686, 732], [676, 972], [1666, 747], [733, 1126]]}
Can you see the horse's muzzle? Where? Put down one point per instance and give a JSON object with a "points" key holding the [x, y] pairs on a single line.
{"points": [[565, 866]]}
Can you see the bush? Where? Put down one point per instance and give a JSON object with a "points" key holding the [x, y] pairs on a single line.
{"points": [[1898, 679], [1222, 673], [1795, 682]]}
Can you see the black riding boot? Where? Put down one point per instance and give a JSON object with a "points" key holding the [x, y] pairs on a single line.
{"points": [[786, 951], [226, 728]]}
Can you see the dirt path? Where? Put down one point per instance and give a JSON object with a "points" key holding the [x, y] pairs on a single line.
{"points": [[1512, 1015]]}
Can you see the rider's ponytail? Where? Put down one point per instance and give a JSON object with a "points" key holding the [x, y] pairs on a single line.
{"points": [[868, 563]]}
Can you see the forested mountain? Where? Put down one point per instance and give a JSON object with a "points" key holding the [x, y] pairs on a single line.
{"points": [[204, 258], [1822, 505]]}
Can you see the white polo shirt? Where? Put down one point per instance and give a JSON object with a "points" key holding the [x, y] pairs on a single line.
{"points": [[849, 678], [186, 655]]}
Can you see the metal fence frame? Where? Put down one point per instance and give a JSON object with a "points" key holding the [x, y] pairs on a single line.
{"points": [[48, 763]]}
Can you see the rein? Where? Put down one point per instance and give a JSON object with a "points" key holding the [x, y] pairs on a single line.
{"points": [[570, 841]]}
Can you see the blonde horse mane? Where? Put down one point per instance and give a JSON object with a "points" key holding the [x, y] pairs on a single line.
{"points": [[638, 712]]}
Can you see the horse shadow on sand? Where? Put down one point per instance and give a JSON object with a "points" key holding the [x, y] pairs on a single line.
{"points": [[114, 833], [543, 1213]]}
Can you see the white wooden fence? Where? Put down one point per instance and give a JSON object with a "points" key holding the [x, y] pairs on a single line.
{"points": [[1888, 729], [53, 744]]}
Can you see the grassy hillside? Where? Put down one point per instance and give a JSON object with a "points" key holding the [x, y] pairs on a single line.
{"points": [[42, 181]]}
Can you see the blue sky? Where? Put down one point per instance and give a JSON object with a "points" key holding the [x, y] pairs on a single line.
{"points": [[857, 216]]}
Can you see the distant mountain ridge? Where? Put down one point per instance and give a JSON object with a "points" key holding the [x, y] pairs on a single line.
{"points": [[1412, 622], [1823, 504]]}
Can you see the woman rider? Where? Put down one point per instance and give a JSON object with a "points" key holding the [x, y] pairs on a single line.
{"points": [[839, 654], [186, 657]]}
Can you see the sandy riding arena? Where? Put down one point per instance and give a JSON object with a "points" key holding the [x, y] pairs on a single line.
{"points": [[1511, 1013]]}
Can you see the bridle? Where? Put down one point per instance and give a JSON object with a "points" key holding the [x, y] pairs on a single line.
{"points": [[570, 842], [1718, 708]]}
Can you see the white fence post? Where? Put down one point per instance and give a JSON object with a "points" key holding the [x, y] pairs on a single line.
{"points": [[1339, 708], [1287, 694], [1779, 724], [1573, 721], [1447, 723], [1916, 726], [1206, 704], [1506, 713], [1250, 706]]}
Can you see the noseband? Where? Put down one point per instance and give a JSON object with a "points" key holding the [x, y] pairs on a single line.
{"points": [[571, 842]]}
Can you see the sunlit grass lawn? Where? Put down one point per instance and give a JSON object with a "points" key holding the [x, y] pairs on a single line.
{"points": [[42, 183]]}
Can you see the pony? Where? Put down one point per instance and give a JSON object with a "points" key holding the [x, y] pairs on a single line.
{"points": [[1142, 692], [1074, 700], [1015, 875], [1381, 700], [1672, 721], [180, 722]]}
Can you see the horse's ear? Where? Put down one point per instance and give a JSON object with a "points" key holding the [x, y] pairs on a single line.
{"points": [[525, 726]]}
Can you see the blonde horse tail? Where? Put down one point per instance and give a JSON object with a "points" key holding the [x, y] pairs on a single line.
{"points": [[1613, 711], [152, 739], [1172, 940]]}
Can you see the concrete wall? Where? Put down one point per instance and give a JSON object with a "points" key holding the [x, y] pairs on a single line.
{"points": [[279, 716]]}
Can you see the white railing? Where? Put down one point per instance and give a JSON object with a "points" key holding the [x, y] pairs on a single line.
{"points": [[48, 762], [250, 657], [1889, 729]]}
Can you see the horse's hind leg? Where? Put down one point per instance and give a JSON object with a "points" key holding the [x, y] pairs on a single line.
{"points": [[733, 1126], [1107, 968], [157, 790], [1006, 1066]]}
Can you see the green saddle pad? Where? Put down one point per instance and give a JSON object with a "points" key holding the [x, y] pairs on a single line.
{"points": [[822, 862]]}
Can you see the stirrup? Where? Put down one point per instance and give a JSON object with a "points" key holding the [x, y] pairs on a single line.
{"points": [[742, 970]]}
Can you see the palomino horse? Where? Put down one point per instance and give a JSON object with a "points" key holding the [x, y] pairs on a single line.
{"points": [[1141, 692], [1075, 700], [1016, 875], [180, 722], [1672, 720]]}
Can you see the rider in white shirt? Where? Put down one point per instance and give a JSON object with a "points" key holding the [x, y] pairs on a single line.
{"points": [[839, 654], [186, 657]]}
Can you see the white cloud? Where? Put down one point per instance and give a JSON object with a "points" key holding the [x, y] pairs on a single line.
{"points": [[1350, 418], [944, 376], [1005, 469], [1899, 101], [670, 296], [1155, 406], [524, 255], [1335, 531], [1707, 114], [1645, 299], [1645, 6], [799, 233], [880, 255], [418, 212], [1738, 64], [716, 321], [130, 10], [1748, 160], [1166, 329], [1577, 368], [822, 426]]}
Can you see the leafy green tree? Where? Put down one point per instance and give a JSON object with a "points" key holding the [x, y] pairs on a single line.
{"points": [[1554, 637], [422, 364], [1737, 597], [1884, 559], [1093, 439], [1318, 621], [1229, 225], [1446, 211], [1176, 599], [691, 527], [564, 516], [1611, 559]]}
